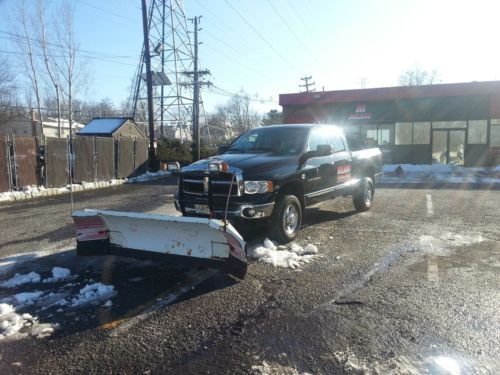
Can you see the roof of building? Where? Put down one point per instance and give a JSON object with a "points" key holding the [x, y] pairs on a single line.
{"points": [[52, 123], [106, 125], [392, 93]]}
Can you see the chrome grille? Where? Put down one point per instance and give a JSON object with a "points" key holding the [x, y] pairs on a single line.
{"points": [[219, 186]]}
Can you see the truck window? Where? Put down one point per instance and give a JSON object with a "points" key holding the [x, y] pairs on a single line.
{"points": [[337, 143], [354, 142], [316, 138]]}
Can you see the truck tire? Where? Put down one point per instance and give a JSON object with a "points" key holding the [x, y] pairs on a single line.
{"points": [[362, 198], [287, 219]]}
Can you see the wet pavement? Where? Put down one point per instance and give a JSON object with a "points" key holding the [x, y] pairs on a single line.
{"points": [[409, 287]]}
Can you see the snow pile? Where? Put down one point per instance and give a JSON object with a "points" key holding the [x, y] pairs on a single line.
{"points": [[445, 173], [148, 176], [12, 324], [93, 293], [21, 279], [33, 191], [292, 257], [59, 274]]}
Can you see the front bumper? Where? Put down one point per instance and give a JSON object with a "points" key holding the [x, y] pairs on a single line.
{"points": [[235, 210]]}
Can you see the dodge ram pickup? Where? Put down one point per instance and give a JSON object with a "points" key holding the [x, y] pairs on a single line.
{"points": [[273, 173]]}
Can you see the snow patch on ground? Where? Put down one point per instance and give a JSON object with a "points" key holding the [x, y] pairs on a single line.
{"points": [[148, 176], [59, 274], [21, 279], [14, 325], [93, 293], [453, 174], [27, 297], [33, 191], [354, 365], [275, 369], [292, 257]]}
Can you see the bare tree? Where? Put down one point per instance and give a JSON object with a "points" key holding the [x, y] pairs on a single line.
{"points": [[239, 113], [70, 68], [7, 84], [416, 76], [50, 64], [25, 44]]}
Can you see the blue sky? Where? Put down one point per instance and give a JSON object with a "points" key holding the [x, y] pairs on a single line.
{"points": [[337, 42]]}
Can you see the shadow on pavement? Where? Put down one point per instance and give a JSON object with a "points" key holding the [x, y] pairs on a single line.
{"points": [[316, 215]]}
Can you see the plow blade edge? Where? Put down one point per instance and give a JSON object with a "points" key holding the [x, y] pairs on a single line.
{"points": [[183, 240]]}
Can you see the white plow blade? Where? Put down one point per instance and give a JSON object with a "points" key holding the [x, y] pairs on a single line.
{"points": [[172, 235]]}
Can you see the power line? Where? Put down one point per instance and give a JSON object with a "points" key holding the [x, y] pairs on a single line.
{"points": [[223, 22], [108, 12], [102, 59], [24, 39], [260, 36], [228, 93], [292, 31], [297, 14]]}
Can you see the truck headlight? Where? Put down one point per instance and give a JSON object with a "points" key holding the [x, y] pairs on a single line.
{"points": [[258, 187]]}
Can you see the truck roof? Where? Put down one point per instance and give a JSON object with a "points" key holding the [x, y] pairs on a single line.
{"points": [[295, 126]]}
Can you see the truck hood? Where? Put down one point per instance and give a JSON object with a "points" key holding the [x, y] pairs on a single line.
{"points": [[255, 166]]}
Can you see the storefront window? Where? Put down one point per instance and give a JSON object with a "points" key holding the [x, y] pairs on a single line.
{"points": [[478, 130], [495, 136], [350, 129], [385, 134], [369, 134], [403, 133], [421, 133], [449, 124]]}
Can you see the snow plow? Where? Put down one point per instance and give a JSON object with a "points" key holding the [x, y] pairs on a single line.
{"points": [[191, 241]]}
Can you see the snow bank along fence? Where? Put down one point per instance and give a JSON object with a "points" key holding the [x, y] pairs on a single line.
{"points": [[24, 162]]}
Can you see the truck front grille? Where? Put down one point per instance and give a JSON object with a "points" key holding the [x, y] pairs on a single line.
{"points": [[219, 186]]}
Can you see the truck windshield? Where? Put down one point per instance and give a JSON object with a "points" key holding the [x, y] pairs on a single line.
{"points": [[273, 140]]}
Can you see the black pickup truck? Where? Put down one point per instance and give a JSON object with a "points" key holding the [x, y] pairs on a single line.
{"points": [[273, 173]]}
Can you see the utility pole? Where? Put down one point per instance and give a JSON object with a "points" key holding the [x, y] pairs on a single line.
{"points": [[307, 84], [196, 89], [149, 84]]}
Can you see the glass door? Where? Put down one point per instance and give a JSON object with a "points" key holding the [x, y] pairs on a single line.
{"points": [[456, 144], [439, 147], [448, 147]]}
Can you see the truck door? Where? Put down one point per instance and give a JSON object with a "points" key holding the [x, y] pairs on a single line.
{"points": [[342, 160], [317, 171]]}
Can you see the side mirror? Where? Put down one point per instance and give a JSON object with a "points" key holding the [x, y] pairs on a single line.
{"points": [[321, 150], [324, 150], [221, 149]]}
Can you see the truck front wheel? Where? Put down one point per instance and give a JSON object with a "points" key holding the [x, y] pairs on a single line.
{"points": [[362, 198], [287, 219]]}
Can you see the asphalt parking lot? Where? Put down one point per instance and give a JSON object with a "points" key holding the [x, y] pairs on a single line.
{"points": [[409, 287]]}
